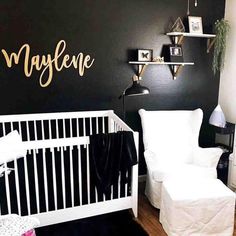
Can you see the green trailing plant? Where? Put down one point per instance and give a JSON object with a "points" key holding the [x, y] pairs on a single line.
{"points": [[222, 28]]}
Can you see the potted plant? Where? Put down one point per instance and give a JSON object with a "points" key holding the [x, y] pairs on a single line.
{"points": [[222, 28]]}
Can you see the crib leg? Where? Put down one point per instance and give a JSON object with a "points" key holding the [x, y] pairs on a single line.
{"points": [[135, 211], [134, 185], [135, 190]]}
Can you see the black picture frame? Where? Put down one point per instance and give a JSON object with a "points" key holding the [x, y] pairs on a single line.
{"points": [[173, 53], [145, 55]]}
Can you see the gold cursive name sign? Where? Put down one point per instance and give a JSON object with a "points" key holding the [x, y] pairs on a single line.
{"points": [[47, 63]]}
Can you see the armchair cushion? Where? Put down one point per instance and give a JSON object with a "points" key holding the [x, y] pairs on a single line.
{"points": [[183, 171], [161, 171]]}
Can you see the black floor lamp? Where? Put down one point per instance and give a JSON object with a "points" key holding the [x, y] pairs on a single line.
{"points": [[135, 89]]}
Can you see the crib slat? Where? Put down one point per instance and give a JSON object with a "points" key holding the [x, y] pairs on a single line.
{"points": [[3, 129], [64, 128], [45, 179], [112, 192], [84, 129], [110, 125], [96, 195], [71, 133], [27, 185], [11, 124], [20, 128], [42, 127], [77, 134], [54, 177], [71, 177], [88, 173], [27, 131], [103, 125], [57, 131], [35, 131], [97, 129], [7, 190], [36, 180], [126, 185], [17, 186], [63, 179], [80, 175], [90, 126], [50, 129], [119, 186]]}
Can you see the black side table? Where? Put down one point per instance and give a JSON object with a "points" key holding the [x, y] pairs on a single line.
{"points": [[223, 164]]}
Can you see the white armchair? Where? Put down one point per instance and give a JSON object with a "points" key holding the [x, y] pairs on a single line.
{"points": [[172, 150]]}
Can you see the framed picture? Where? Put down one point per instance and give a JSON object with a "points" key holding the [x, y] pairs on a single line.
{"points": [[176, 50], [195, 24], [173, 53], [145, 54]]}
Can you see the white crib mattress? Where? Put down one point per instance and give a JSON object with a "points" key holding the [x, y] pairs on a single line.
{"points": [[14, 225], [199, 207]]}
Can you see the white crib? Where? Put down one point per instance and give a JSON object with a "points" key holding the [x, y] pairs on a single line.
{"points": [[52, 182]]}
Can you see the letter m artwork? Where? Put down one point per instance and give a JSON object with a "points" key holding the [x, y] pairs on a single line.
{"points": [[15, 58]]}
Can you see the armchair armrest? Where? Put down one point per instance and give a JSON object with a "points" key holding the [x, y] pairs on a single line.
{"points": [[151, 159], [207, 157]]}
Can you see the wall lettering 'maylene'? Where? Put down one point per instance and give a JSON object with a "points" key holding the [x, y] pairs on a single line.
{"points": [[47, 63]]}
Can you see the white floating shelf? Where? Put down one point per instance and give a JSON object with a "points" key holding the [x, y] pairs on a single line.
{"points": [[174, 66], [160, 63], [191, 35], [179, 37]]}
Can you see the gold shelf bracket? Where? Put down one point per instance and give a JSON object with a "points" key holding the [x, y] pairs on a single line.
{"points": [[178, 39], [175, 70], [210, 43]]}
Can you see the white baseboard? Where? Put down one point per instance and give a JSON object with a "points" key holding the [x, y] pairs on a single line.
{"points": [[142, 178]]}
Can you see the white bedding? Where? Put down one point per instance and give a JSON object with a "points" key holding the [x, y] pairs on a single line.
{"points": [[14, 225]]}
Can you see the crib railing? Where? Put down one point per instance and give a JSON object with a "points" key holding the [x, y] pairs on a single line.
{"points": [[53, 181], [56, 125]]}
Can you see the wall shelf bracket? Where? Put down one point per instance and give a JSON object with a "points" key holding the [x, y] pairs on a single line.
{"points": [[210, 43], [141, 70], [175, 70], [178, 39]]}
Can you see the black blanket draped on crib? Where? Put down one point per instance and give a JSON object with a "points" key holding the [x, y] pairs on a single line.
{"points": [[111, 154]]}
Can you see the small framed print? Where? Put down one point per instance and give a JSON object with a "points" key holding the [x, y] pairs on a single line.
{"points": [[176, 50], [173, 53], [195, 24], [145, 54]]}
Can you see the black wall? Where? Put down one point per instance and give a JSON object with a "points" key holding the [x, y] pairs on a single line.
{"points": [[108, 30]]}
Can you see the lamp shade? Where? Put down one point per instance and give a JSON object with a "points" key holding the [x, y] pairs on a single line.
{"points": [[136, 89], [217, 117]]}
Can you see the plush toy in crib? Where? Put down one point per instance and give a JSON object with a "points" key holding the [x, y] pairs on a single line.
{"points": [[11, 148]]}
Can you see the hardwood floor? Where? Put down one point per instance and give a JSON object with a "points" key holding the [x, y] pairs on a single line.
{"points": [[148, 216]]}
